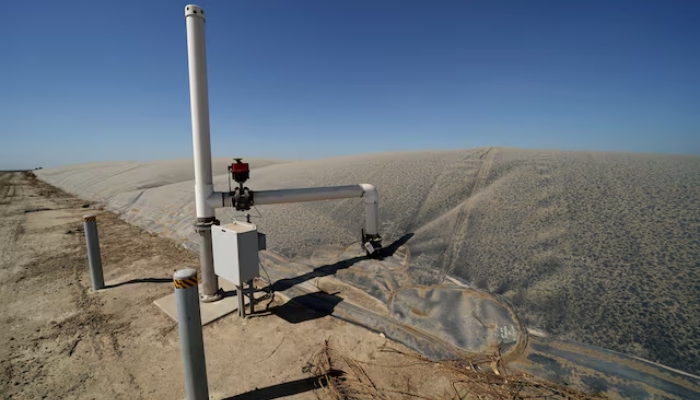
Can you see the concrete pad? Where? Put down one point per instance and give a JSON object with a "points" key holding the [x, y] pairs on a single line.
{"points": [[210, 311]]}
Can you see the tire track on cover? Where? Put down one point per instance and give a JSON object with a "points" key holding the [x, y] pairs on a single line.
{"points": [[462, 221]]}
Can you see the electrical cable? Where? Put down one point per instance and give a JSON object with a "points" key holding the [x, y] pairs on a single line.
{"points": [[269, 291]]}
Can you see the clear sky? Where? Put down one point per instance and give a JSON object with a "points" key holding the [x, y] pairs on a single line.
{"points": [[107, 80]]}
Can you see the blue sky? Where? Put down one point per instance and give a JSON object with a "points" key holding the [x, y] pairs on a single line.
{"points": [[107, 80]]}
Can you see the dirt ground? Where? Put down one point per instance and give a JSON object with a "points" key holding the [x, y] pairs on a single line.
{"points": [[61, 340]]}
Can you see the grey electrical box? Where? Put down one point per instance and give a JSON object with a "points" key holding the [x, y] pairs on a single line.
{"points": [[235, 248]]}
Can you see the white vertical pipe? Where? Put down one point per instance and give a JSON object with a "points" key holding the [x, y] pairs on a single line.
{"points": [[199, 107], [371, 198]]}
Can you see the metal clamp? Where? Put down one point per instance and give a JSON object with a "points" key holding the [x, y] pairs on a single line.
{"points": [[242, 199], [204, 224], [372, 244]]}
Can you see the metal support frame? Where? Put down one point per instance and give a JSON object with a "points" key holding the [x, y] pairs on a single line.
{"points": [[241, 293], [251, 295]]}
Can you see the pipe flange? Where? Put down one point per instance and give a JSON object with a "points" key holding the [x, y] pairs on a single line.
{"points": [[204, 224]]}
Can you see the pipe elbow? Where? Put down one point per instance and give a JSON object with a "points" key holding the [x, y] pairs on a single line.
{"points": [[369, 193]]}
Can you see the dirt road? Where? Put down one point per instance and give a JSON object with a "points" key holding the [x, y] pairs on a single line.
{"points": [[61, 340]]}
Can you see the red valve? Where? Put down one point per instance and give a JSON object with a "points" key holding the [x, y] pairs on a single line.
{"points": [[240, 171], [240, 167]]}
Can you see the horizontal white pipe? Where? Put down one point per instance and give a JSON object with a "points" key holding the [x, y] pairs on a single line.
{"points": [[306, 194], [369, 192], [261, 197]]}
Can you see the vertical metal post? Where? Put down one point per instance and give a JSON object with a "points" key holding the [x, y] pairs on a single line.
{"points": [[251, 295], [241, 300], [93, 251], [190, 328]]}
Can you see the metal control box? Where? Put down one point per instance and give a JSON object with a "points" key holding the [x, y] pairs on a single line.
{"points": [[235, 248]]}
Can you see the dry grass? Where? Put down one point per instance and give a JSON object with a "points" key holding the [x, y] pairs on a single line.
{"points": [[343, 377], [43, 190]]}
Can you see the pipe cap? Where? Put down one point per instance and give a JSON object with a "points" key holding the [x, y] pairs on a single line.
{"points": [[185, 273], [195, 11]]}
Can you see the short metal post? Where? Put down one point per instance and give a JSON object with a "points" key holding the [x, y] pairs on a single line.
{"points": [[190, 328], [93, 251], [251, 295], [241, 300]]}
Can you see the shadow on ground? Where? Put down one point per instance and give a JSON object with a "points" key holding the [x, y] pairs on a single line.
{"points": [[307, 307], [284, 284], [143, 280], [287, 388], [326, 270], [389, 250]]}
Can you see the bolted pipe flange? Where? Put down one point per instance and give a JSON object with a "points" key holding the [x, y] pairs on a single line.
{"points": [[207, 221], [204, 224]]}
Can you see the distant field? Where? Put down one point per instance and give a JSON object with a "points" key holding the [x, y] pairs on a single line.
{"points": [[601, 248]]}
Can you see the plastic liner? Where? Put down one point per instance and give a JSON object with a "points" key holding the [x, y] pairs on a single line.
{"points": [[605, 372], [571, 240], [450, 323], [439, 322]]}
